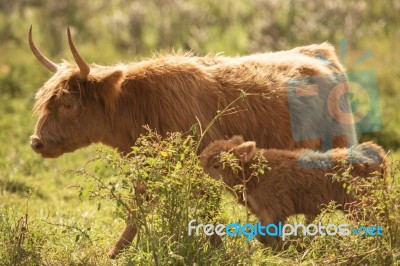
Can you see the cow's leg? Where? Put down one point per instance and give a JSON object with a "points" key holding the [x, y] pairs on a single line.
{"points": [[130, 230], [215, 240], [124, 240]]}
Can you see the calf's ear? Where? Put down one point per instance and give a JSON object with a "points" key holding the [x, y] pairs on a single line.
{"points": [[237, 140], [246, 151]]}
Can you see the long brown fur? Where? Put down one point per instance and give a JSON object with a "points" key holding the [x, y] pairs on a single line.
{"points": [[169, 92], [288, 189], [172, 93]]}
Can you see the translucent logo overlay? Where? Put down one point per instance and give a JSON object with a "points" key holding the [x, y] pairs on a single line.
{"points": [[339, 104]]}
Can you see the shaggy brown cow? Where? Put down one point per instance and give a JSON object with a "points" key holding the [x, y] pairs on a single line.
{"points": [[288, 189], [82, 104]]}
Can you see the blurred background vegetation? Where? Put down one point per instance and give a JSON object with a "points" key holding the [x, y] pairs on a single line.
{"points": [[109, 32]]}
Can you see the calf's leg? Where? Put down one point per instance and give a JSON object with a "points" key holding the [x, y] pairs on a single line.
{"points": [[270, 218]]}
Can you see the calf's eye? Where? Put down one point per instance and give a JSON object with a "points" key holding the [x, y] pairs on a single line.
{"points": [[216, 165]]}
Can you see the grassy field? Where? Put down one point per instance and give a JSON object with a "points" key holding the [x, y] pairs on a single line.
{"points": [[46, 218]]}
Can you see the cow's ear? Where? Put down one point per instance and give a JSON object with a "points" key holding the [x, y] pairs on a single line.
{"points": [[246, 151], [111, 80], [106, 87]]}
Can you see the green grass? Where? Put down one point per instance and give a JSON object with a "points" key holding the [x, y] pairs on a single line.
{"points": [[46, 218]]}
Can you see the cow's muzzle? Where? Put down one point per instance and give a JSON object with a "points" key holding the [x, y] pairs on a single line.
{"points": [[36, 144]]}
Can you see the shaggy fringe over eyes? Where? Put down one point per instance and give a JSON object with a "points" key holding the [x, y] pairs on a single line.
{"points": [[55, 86], [103, 85]]}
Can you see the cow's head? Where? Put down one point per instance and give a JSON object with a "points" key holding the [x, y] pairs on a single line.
{"points": [[74, 105], [210, 158]]}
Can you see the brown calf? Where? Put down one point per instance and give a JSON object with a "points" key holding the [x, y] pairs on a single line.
{"points": [[288, 189]]}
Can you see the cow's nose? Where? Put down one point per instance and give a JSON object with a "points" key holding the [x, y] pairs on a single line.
{"points": [[36, 144]]}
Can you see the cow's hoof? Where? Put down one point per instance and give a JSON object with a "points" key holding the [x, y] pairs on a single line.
{"points": [[215, 240], [113, 254]]}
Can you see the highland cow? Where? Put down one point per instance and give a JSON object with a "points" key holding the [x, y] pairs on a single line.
{"points": [[288, 189], [83, 104]]}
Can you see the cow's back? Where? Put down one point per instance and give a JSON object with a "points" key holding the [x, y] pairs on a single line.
{"points": [[173, 93], [265, 115]]}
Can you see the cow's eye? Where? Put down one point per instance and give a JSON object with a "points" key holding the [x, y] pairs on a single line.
{"points": [[67, 106]]}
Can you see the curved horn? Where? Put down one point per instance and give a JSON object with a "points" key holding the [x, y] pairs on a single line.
{"points": [[42, 59], [83, 66]]}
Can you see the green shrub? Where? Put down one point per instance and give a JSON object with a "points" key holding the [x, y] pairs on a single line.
{"points": [[379, 206], [175, 192]]}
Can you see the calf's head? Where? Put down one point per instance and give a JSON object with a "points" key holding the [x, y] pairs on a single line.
{"points": [[73, 106], [210, 158]]}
